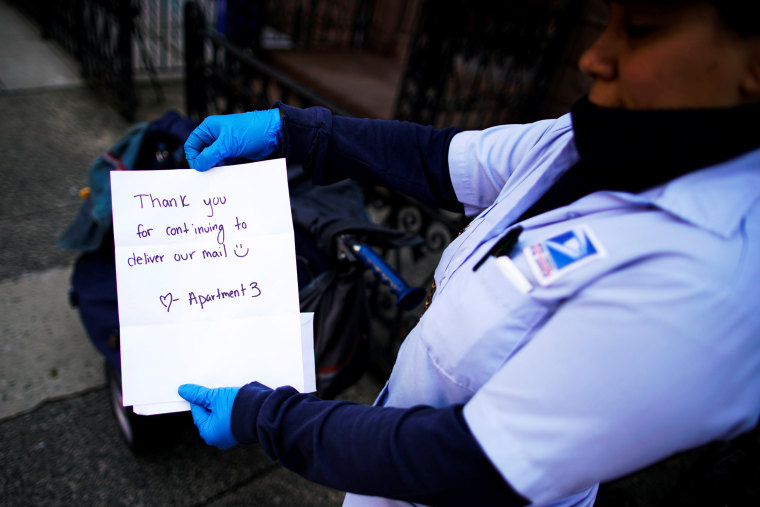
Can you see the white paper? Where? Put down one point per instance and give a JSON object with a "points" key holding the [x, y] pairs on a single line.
{"points": [[307, 346], [309, 379], [206, 282]]}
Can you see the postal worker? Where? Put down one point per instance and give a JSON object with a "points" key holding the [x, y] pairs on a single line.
{"points": [[599, 313]]}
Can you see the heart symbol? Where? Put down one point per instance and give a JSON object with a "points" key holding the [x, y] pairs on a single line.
{"points": [[167, 300]]}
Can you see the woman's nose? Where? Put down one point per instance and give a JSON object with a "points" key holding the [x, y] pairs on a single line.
{"points": [[599, 61]]}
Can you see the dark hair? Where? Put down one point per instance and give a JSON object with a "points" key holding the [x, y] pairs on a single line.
{"points": [[740, 16]]}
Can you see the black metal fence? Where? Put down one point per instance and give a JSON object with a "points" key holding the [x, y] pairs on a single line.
{"points": [[117, 42], [222, 77], [314, 24], [98, 33], [479, 63], [473, 63], [158, 35]]}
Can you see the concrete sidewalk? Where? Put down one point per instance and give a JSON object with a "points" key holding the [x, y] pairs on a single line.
{"points": [[59, 442], [51, 129]]}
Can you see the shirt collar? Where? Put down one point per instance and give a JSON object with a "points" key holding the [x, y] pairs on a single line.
{"points": [[716, 198]]}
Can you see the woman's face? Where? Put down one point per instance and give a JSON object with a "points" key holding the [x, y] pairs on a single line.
{"points": [[670, 56]]}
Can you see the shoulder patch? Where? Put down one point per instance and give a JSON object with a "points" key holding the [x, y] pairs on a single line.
{"points": [[554, 257]]}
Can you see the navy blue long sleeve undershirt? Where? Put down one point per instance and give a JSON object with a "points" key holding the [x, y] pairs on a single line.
{"points": [[419, 454], [404, 156]]}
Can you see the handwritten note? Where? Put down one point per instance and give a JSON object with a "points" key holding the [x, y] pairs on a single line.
{"points": [[206, 282]]}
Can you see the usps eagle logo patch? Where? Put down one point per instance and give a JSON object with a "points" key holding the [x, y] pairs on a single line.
{"points": [[554, 257]]}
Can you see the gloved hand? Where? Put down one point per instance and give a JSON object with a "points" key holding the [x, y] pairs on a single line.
{"points": [[253, 136], [212, 413]]}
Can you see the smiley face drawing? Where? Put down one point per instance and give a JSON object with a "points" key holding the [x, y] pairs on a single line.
{"points": [[242, 254]]}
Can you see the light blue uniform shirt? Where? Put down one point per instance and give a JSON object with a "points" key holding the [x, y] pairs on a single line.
{"points": [[625, 328]]}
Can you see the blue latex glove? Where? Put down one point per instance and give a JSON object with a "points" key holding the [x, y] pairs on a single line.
{"points": [[253, 136], [212, 412]]}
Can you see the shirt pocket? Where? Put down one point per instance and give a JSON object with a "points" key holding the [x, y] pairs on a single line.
{"points": [[477, 322]]}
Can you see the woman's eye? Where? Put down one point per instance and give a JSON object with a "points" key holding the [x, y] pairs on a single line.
{"points": [[636, 30]]}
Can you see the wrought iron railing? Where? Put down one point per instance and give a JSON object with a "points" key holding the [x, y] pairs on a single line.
{"points": [[158, 36], [315, 24], [117, 41], [477, 63], [98, 33], [223, 78]]}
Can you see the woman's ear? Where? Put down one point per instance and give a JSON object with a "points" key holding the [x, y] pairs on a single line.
{"points": [[750, 85]]}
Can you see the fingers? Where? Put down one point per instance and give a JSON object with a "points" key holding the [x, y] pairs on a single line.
{"points": [[210, 157], [204, 147], [211, 409], [198, 139], [200, 404], [200, 415], [195, 394]]}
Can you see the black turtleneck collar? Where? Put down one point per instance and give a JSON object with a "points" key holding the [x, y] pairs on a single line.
{"points": [[634, 150]]}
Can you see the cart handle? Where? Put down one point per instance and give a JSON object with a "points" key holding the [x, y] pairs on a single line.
{"points": [[407, 297]]}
